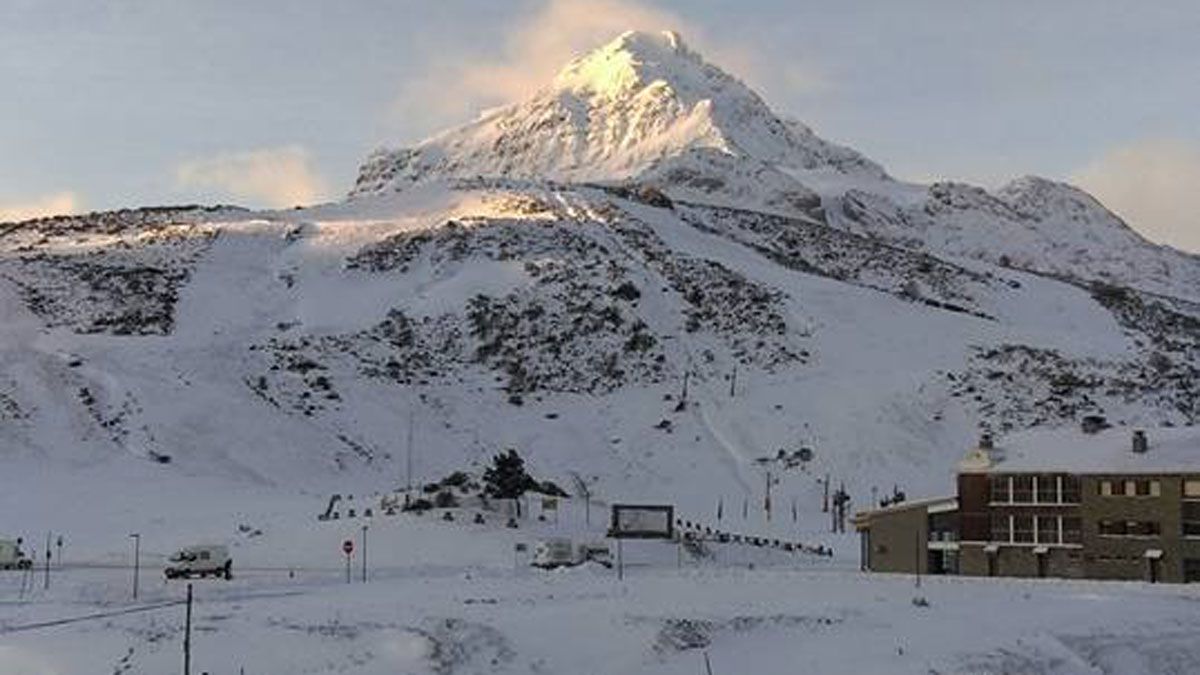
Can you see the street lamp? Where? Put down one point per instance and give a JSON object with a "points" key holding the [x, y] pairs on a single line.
{"points": [[137, 555]]}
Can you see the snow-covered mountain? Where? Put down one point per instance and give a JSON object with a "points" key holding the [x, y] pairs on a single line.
{"points": [[551, 275], [643, 105]]}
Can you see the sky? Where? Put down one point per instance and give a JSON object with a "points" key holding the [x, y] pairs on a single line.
{"points": [[275, 103]]}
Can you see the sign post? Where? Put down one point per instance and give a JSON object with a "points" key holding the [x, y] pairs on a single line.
{"points": [[639, 521], [348, 549]]}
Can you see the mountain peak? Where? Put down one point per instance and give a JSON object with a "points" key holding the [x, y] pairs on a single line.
{"points": [[631, 61], [644, 102]]}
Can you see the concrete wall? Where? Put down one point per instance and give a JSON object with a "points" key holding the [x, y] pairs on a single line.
{"points": [[1124, 557], [897, 541], [1021, 561]]}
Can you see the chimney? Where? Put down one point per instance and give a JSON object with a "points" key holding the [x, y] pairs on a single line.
{"points": [[1139, 442]]}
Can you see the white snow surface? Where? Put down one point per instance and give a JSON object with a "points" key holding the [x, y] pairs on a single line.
{"points": [[1170, 450], [182, 373]]}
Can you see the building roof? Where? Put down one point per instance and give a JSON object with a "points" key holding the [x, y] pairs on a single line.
{"points": [[861, 518], [1170, 450]]}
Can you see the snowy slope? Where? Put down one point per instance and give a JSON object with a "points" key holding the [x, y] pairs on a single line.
{"points": [[548, 276]]}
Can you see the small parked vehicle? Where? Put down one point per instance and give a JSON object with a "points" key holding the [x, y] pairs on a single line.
{"points": [[202, 560], [12, 557], [562, 552], [551, 553]]}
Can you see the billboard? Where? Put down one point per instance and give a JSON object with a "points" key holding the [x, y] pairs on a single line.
{"points": [[642, 521]]}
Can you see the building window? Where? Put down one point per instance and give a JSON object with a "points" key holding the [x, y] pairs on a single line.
{"points": [[1047, 529], [1141, 487], [1022, 489], [1072, 530], [1023, 529], [1129, 528], [1191, 488], [1191, 519], [1145, 488], [1070, 489], [999, 488], [1047, 489], [1001, 528]]}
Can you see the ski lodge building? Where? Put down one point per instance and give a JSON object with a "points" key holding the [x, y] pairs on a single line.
{"points": [[1094, 504]]}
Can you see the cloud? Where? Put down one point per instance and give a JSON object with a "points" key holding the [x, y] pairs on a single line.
{"points": [[277, 177], [1154, 185], [452, 91], [57, 204]]}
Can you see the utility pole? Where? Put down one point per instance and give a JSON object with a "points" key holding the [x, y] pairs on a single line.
{"points": [[60, 546], [187, 634], [733, 380], [767, 498], [137, 556], [364, 554], [825, 499], [683, 398]]}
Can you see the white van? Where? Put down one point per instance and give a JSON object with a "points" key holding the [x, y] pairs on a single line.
{"points": [[200, 561], [551, 553], [562, 552], [12, 557]]}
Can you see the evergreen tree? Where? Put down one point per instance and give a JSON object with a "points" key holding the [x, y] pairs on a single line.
{"points": [[506, 478]]}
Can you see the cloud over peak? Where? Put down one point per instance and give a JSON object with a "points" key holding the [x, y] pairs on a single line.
{"points": [[56, 204], [1154, 185], [274, 177], [455, 88]]}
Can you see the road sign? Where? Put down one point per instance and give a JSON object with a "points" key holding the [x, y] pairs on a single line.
{"points": [[347, 547], [642, 521]]}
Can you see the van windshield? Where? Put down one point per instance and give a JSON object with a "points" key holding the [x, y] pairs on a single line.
{"points": [[183, 556]]}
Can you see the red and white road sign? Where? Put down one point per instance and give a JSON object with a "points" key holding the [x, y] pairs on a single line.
{"points": [[347, 547]]}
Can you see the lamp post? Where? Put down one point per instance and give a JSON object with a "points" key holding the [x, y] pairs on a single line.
{"points": [[137, 556], [364, 554]]}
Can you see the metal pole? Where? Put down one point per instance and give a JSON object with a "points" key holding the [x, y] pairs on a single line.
{"points": [[60, 546], [364, 554], [347, 568], [187, 634], [917, 555], [46, 585], [137, 555], [408, 453], [620, 560], [767, 498]]}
